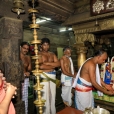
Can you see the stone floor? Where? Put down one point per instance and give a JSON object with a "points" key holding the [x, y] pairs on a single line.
{"points": [[59, 103]]}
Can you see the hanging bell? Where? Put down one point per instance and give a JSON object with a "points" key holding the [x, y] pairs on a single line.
{"points": [[18, 7]]}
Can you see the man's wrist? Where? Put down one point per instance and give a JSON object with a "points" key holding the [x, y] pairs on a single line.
{"points": [[26, 73], [104, 85]]}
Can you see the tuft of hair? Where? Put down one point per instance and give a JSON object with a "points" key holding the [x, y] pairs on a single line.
{"points": [[65, 48], [45, 40], [24, 43], [100, 52]]}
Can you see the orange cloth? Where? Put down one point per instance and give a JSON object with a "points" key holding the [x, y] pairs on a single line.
{"points": [[2, 95], [83, 90]]}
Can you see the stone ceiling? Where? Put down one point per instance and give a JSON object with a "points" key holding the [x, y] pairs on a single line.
{"points": [[57, 10]]}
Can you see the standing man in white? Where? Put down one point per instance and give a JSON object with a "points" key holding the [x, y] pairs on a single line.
{"points": [[87, 77], [48, 62], [67, 76]]}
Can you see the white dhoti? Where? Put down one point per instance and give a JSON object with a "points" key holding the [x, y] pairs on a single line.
{"points": [[49, 93], [66, 89], [25, 93], [83, 94], [67, 82]]}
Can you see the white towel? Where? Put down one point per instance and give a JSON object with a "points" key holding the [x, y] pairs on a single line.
{"points": [[72, 66], [98, 79]]}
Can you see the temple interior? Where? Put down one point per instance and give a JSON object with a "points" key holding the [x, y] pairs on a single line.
{"points": [[83, 25]]}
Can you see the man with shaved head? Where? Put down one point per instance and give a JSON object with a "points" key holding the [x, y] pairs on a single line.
{"points": [[87, 77]]}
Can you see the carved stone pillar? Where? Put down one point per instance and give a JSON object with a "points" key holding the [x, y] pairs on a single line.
{"points": [[11, 33], [80, 47]]}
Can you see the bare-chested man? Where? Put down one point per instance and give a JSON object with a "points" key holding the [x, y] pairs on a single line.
{"points": [[88, 76], [26, 61], [67, 76], [48, 63]]}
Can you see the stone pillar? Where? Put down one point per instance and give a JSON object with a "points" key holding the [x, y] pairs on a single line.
{"points": [[81, 51], [11, 33], [80, 47]]}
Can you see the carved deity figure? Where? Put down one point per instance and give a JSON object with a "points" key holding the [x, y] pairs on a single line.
{"points": [[98, 6], [108, 74], [110, 4]]}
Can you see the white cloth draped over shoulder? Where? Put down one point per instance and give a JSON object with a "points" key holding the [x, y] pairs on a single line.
{"points": [[98, 79], [72, 66]]}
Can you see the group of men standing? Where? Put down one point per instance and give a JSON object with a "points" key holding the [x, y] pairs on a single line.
{"points": [[48, 62], [87, 77]]}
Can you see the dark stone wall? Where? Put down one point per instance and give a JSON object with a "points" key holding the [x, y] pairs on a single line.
{"points": [[57, 39], [11, 34]]}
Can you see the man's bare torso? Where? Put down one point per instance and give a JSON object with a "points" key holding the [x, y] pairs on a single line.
{"points": [[46, 57], [25, 60], [84, 73], [67, 64]]}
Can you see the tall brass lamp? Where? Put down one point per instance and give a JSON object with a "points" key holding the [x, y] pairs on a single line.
{"points": [[18, 7]]}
